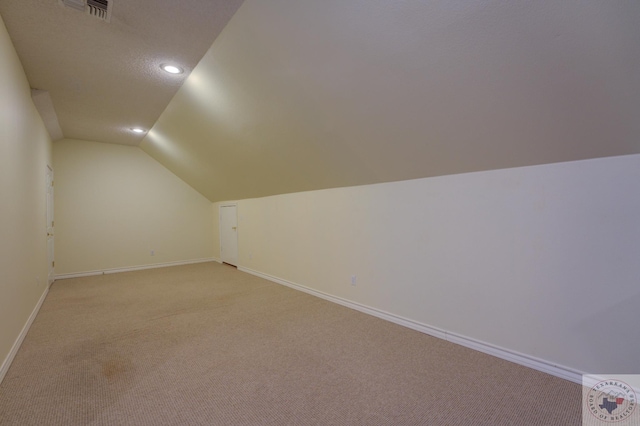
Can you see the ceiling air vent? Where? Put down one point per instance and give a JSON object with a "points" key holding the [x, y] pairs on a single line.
{"points": [[100, 9]]}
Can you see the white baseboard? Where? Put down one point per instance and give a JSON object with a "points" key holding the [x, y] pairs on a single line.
{"points": [[135, 268], [506, 354], [499, 352], [16, 345]]}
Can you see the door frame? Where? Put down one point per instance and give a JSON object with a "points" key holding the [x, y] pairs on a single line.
{"points": [[234, 204], [50, 227]]}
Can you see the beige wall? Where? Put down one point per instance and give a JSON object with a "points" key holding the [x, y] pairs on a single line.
{"points": [[25, 152], [540, 260], [115, 204]]}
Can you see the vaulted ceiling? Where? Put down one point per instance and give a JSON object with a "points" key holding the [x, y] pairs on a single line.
{"points": [[105, 78], [297, 95]]}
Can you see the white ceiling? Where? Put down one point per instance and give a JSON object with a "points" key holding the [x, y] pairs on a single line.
{"points": [[104, 78], [302, 94], [297, 95]]}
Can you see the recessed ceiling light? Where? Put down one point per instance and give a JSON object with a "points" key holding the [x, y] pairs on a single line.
{"points": [[138, 130], [172, 69]]}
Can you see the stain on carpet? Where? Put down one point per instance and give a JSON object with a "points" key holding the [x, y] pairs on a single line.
{"points": [[113, 368]]}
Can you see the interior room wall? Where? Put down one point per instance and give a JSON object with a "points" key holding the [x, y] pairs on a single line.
{"points": [[25, 153], [115, 205], [540, 260]]}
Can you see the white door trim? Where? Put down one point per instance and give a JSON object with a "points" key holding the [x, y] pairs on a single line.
{"points": [[50, 228], [220, 228]]}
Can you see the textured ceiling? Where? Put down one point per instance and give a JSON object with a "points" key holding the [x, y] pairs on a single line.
{"points": [[104, 78], [302, 94], [297, 95]]}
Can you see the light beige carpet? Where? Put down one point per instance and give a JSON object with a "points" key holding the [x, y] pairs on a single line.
{"points": [[206, 344]]}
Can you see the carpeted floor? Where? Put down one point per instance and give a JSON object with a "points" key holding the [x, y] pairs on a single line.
{"points": [[205, 344]]}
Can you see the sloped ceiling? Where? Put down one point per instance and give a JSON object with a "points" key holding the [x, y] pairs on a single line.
{"points": [[301, 94], [298, 95], [105, 78]]}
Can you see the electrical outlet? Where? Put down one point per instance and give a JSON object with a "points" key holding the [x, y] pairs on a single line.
{"points": [[250, 256], [354, 279], [153, 253]]}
